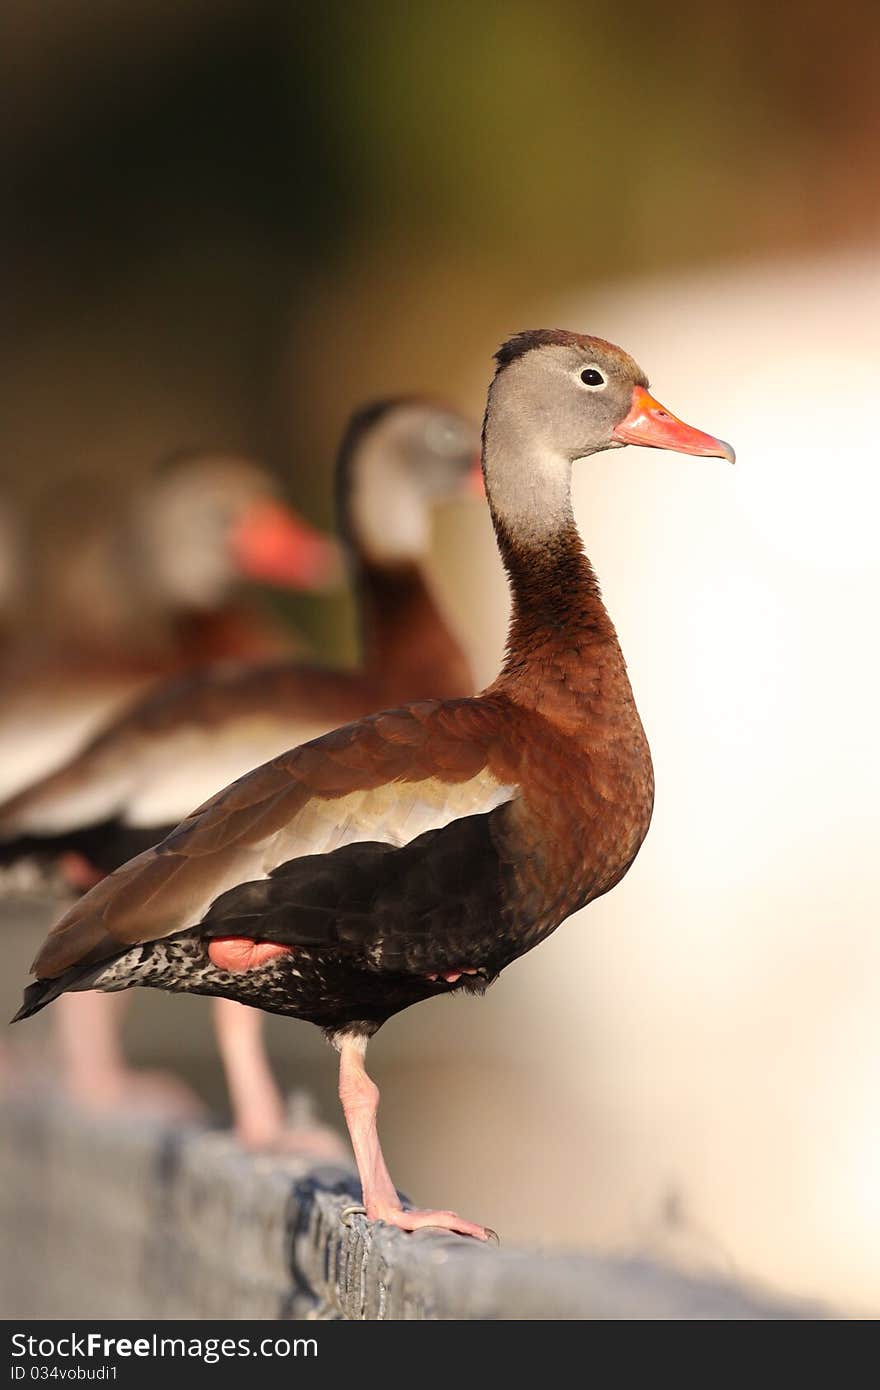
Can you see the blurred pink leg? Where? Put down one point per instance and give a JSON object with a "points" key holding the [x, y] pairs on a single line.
{"points": [[257, 1104], [94, 1070], [360, 1103]]}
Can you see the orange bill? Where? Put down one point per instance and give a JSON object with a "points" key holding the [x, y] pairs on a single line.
{"points": [[650, 424], [272, 545], [475, 484]]}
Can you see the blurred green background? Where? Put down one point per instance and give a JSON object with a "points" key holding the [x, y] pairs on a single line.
{"points": [[233, 218], [228, 221]]}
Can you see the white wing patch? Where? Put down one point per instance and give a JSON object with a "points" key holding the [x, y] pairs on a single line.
{"points": [[394, 814], [54, 809], [157, 780], [42, 731], [195, 764]]}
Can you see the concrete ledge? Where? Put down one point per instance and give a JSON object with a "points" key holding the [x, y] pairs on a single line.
{"points": [[118, 1217]]}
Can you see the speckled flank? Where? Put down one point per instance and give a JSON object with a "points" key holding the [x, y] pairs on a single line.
{"points": [[304, 985]]}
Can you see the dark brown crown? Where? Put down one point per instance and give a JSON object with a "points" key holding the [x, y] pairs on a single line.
{"points": [[531, 338]]}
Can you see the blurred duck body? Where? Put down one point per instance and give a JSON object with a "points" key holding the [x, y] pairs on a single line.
{"points": [[141, 774], [115, 596], [420, 850]]}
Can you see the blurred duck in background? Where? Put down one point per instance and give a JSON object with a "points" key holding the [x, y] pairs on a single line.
{"points": [[398, 460], [117, 592]]}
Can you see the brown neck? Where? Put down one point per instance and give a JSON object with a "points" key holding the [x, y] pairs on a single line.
{"points": [[562, 650], [563, 658], [555, 594], [408, 648]]}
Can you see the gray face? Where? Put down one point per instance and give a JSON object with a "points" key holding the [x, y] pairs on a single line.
{"points": [[568, 398], [549, 405], [188, 519], [415, 456], [438, 449]]}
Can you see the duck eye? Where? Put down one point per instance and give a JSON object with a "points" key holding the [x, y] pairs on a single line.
{"points": [[590, 377]]}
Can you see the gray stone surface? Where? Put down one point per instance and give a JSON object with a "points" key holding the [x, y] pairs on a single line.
{"points": [[119, 1217]]}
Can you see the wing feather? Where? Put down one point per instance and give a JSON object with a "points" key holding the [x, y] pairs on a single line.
{"points": [[386, 779]]}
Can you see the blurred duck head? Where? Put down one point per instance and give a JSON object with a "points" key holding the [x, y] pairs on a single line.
{"points": [[211, 521], [399, 459]]}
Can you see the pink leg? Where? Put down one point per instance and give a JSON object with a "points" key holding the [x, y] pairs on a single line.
{"points": [[360, 1103], [257, 1104], [94, 1069], [77, 872]]}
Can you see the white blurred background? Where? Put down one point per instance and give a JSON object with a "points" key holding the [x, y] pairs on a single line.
{"points": [[709, 1033]]}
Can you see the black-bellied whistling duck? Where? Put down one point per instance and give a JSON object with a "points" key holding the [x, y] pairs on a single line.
{"points": [[421, 850], [121, 592], [141, 774]]}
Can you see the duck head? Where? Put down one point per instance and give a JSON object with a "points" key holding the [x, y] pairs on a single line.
{"points": [[399, 460], [211, 521], [578, 395]]}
